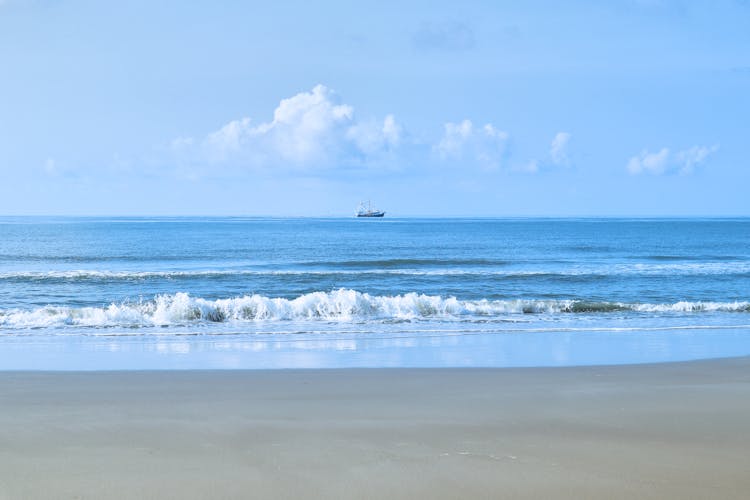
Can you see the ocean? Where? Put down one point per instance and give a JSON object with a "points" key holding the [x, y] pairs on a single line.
{"points": [[198, 292]]}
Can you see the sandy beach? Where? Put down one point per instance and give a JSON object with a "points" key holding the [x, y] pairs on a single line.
{"points": [[679, 430]]}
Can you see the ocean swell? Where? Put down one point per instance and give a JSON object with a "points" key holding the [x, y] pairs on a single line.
{"points": [[404, 268]]}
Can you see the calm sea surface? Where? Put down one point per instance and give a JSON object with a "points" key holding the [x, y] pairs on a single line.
{"points": [[195, 292]]}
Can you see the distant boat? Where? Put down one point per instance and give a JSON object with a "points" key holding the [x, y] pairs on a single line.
{"points": [[368, 211]]}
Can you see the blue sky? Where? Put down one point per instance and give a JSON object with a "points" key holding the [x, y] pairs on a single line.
{"points": [[627, 107]]}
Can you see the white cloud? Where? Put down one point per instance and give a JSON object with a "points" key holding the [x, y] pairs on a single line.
{"points": [[454, 138], [462, 141], [315, 132], [690, 158], [654, 163], [558, 150], [372, 136], [228, 138], [391, 131], [665, 161], [309, 129]]}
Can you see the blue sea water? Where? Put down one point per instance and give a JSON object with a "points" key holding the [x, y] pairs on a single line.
{"points": [[98, 293]]}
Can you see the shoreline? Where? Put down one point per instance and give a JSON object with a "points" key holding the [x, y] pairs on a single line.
{"points": [[659, 430], [732, 359], [349, 350]]}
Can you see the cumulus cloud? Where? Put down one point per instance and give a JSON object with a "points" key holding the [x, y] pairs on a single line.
{"points": [[463, 141], [314, 132], [373, 136], [309, 129], [665, 161], [558, 150], [655, 163]]}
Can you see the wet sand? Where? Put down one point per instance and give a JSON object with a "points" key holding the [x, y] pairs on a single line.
{"points": [[679, 430]]}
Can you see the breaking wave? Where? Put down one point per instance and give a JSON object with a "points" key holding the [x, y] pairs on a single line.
{"points": [[339, 305]]}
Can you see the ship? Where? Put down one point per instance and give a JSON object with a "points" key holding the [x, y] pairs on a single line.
{"points": [[368, 211]]}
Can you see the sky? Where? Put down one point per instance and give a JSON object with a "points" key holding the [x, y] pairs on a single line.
{"points": [[472, 108]]}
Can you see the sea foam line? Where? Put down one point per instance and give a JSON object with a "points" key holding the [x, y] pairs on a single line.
{"points": [[596, 271], [340, 305]]}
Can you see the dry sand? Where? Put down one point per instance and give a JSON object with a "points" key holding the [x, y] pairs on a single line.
{"points": [[677, 430]]}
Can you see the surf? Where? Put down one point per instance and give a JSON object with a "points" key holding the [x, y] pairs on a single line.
{"points": [[343, 305]]}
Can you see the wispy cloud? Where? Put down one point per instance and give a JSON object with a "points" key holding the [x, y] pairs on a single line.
{"points": [[558, 150], [447, 36], [693, 157], [530, 167], [486, 145], [557, 156], [665, 161]]}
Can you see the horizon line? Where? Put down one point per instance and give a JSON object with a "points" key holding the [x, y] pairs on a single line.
{"points": [[404, 216]]}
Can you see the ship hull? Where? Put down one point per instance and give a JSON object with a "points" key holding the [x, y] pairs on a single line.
{"points": [[373, 214]]}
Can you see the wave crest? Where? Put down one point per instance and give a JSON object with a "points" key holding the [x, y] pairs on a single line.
{"points": [[339, 305]]}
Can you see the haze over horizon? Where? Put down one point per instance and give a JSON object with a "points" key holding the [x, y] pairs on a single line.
{"points": [[623, 108]]}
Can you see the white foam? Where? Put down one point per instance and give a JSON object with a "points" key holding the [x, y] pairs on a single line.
{"points": [[340, 305], [685, 306]]}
